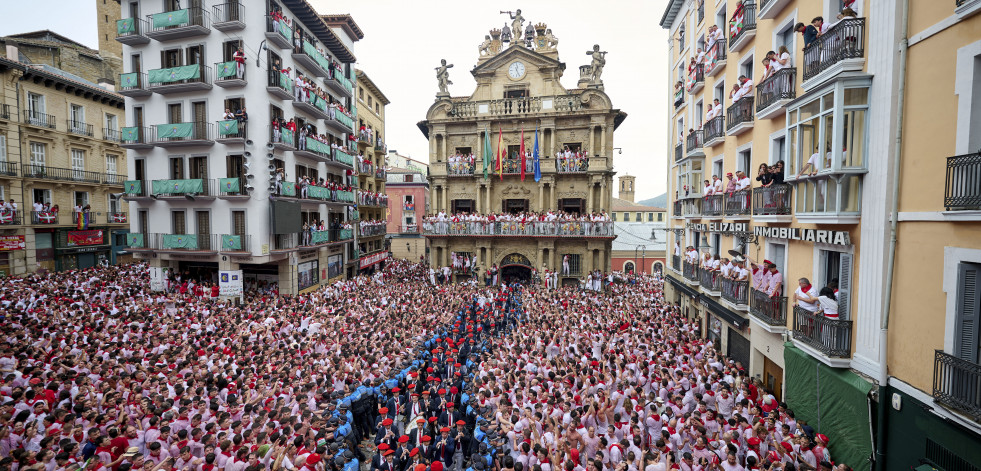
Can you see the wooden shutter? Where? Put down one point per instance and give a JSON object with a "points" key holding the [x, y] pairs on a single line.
{"points": [[844, 285], [238, 222], [968, 307]]}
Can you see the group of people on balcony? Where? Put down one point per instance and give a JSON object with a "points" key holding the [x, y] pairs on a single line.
{"points": [[372, 227], [733, 184], [372, 198], [461, 164], [525, 223], [819, 28], [240, 115], [311, 227], [572, 161]]}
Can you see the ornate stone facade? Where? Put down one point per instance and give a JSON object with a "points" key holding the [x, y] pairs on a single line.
{"points": [[518, 89]]}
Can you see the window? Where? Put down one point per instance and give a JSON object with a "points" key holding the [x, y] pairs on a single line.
{"points": [[812, 131], [779, 149], [78, 159], [836, 273], [38, 152], [112, 122], [112, 169], [377, 109], [717, 168], [177, 168], [746, 67], [660, 217], [80, 198], [360, 93], [743, 160], [650, 217], [638, 218], [967, 346], [626, 217], [690, 178], [571, 264], [77, 116], [614, 217], [3, 148], [42, 195], [35, 103], [238, 223], [178, 222]]}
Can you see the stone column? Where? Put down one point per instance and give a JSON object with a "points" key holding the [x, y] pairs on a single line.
{"points": [[602, 149], [541, 195], [589, 197]]}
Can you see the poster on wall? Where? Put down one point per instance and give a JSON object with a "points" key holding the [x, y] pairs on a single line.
{"points": [[335, 266], [78, 238], [158, 278], [230, 282], [307, 275], [14, 242]]}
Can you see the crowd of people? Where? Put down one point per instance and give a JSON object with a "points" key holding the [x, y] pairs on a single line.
{"points": [[521, 223], [388, 373], [372, 227], [460, 164], [372, 198]]}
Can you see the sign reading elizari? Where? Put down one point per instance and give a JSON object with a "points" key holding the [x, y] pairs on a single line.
{"points": [[807, 235], [719, 227]]}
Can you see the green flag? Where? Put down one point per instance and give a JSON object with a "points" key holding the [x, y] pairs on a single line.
{"points": [[171, 18], [228, 127], [130, 80], [134, 240], [175, 130], [318, 193], [192, 186], [231, 242], [125, 26], [287, 136], [229, 185], [285, 31], [289, 189], [320, 237], [133, 187], [347, 234], [227, 69], [130, 134], [175, 74], [180, 241], [487, 153]]}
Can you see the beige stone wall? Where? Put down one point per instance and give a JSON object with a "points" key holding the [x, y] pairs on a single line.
{"points": [[107, 13]]}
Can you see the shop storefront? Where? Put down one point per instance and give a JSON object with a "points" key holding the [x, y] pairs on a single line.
{"points": [[80, 249], [10, 246], [373, 262]]}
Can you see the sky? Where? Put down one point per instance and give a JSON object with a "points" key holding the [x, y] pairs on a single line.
{"points": [[404, 41]]}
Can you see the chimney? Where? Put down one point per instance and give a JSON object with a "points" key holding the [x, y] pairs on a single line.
{"points": [[107, 84], [12, 52]]}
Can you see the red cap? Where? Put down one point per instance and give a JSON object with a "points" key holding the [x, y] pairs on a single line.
{"points": [[419, 467], [383, 410], [460, 422], [449, 404], [753, 441], [388, 452], [436, 466], [386, 422], [382, 446], [414, 452], [313, 459], [426, 438], [787, 447], [404, 439], [396, 389], [444, 429], [823, 438]]}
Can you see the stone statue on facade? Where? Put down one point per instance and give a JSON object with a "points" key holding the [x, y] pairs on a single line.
{"points": [[443, 77], [530, 36], [485, 47], [551, 41], [505, 35], [517, 24], [596, 66]]}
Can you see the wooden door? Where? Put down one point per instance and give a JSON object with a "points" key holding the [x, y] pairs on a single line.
{"points": [[773, 378]]}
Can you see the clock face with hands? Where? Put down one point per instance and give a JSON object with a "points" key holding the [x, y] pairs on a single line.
{"points": [[516, 70]]}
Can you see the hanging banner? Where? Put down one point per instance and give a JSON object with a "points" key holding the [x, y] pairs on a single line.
{"points": [[226, 69], [228, 127], [287, 136], [125, 26], [133, 187], [92, 237], [178, 186], [180, 241], [289, 189], [135, 241], [175, 74], [229, 185], [12, 242], [171, 18], [231, 242], [130, 134], [230, 282], [175, 130], [130, 80]]}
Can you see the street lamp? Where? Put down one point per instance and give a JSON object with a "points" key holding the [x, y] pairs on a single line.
{"points": [[643, 254]]}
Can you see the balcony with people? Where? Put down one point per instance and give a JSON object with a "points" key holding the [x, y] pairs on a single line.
{"points": [[233, 128], [738, 204], [820, 324], [179, 24], [693, 144], [735, 293], [831, 49], [279, 84], [190, 188], [372, 228], [710, 281], [517, 106], [461, 165], [740, 116], [279, 29], [232, 73], [778, 86], [310, 98], [696, 76], [550, 225], [311, 189], [714, 130], [742, 25], [772, 199], [372, 199], [689, 270], [715, 52], [679, 95]]}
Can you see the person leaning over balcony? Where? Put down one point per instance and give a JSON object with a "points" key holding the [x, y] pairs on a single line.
{"points": [[717, 184], [730, 184], [828, 302], [742, 181], [781, 60], [775, 282], [764, 175], [745, 86], [717, 108], [777, 173], [809, 32], [812, 163], [709, 190], [710, 114], [757, 272], [806, 296]]}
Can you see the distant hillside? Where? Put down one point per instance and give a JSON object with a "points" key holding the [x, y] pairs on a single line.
{"points": [[657, 201]]}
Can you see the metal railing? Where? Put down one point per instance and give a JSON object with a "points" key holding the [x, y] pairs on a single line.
{"points": [[196, 16], [129, 85], [43, 120], [113, 179], [748, 22], [676, 262], [371, 231], [227, 12], [109, 134], [65, 174], [92, 217], [460, 168], [569, 165], [242, 133], [286, 241], [516, 228], [692, 206], [203, 77], [832, 337], [4, 111], [677, 208], [694, 141], [44, 218], [779, 86], [513, 106], [140, 26], [220, 68], [512, 166], [276, 136], [736, 292], [689, 271], [696, 77], [709, 279], [187, 242], [118, 218], [772, 200], [772, 311], [9, 218], [274, 78], [679, 152], [845, 40], [410, 229], [8, 168], [715, 54], [957, 384], [679, 97], [738, 203], [740, 112], [714, 128], [80, 128], [381, 174], [962, 184], [312, 237], [712, 205], [200, 131], [143, 135]]}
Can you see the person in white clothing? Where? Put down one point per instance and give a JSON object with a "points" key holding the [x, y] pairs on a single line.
{"points": [[742, 181], [812, 164], [828, 302], [806, 296]]}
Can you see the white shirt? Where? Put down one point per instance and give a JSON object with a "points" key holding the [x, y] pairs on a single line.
{"points": [[742, 183], [811, 307], [828, 306]]}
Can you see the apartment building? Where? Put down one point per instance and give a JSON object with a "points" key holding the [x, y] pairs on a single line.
{"points": [[894, 376], [640, 243], [408, 203], [241, 172], [61, 170], [371, 172]]}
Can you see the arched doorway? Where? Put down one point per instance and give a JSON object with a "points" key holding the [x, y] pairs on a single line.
{"points": [[515, 268], [658, 268], [628, 267]]}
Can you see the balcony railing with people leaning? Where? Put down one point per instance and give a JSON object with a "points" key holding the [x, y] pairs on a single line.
{"points": [[770, 311], [743, 25], [696, 79], [92, 218], [714, 128], [712, 206], [371, 231], [8, 168], [957, 384], [512, 166], [43, 120], [845, 40], [572, 164], [460, 169], [734, 291], [740, 112], [715, 56], [676, 262], [709, 279], [518, 229], [9, 218], [679, 152], [773, 200], [80, 128], [64, 174], [832, 337], [279, 84], [694, 141], [382, 174], [962, 185], [516, 106], [690, 271], [44, 218], [779, 86], [282, 137], [228, 71], [409, 229], [738, 203]]}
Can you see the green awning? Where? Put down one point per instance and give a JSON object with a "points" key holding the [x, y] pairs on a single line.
{"points": [[175, 74], [133, 187], [135, 240], [125, 26], [180, 241], [229, 185], [228, 127], [171, 18], [175, 130], [193, 186], [226, 69], [231, 242]]}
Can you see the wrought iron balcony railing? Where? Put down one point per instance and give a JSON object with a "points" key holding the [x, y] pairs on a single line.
{"points": [[740, 112], [773, 200], [690, 271], [736, 292], [779, 86], [832, 337], [518, 229], [772, 311], [957, 384], [712, 206], [709, 279], [962, 185], [845, 40]]}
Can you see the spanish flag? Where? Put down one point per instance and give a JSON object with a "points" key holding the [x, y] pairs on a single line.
{"points": [[500, 151]]}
